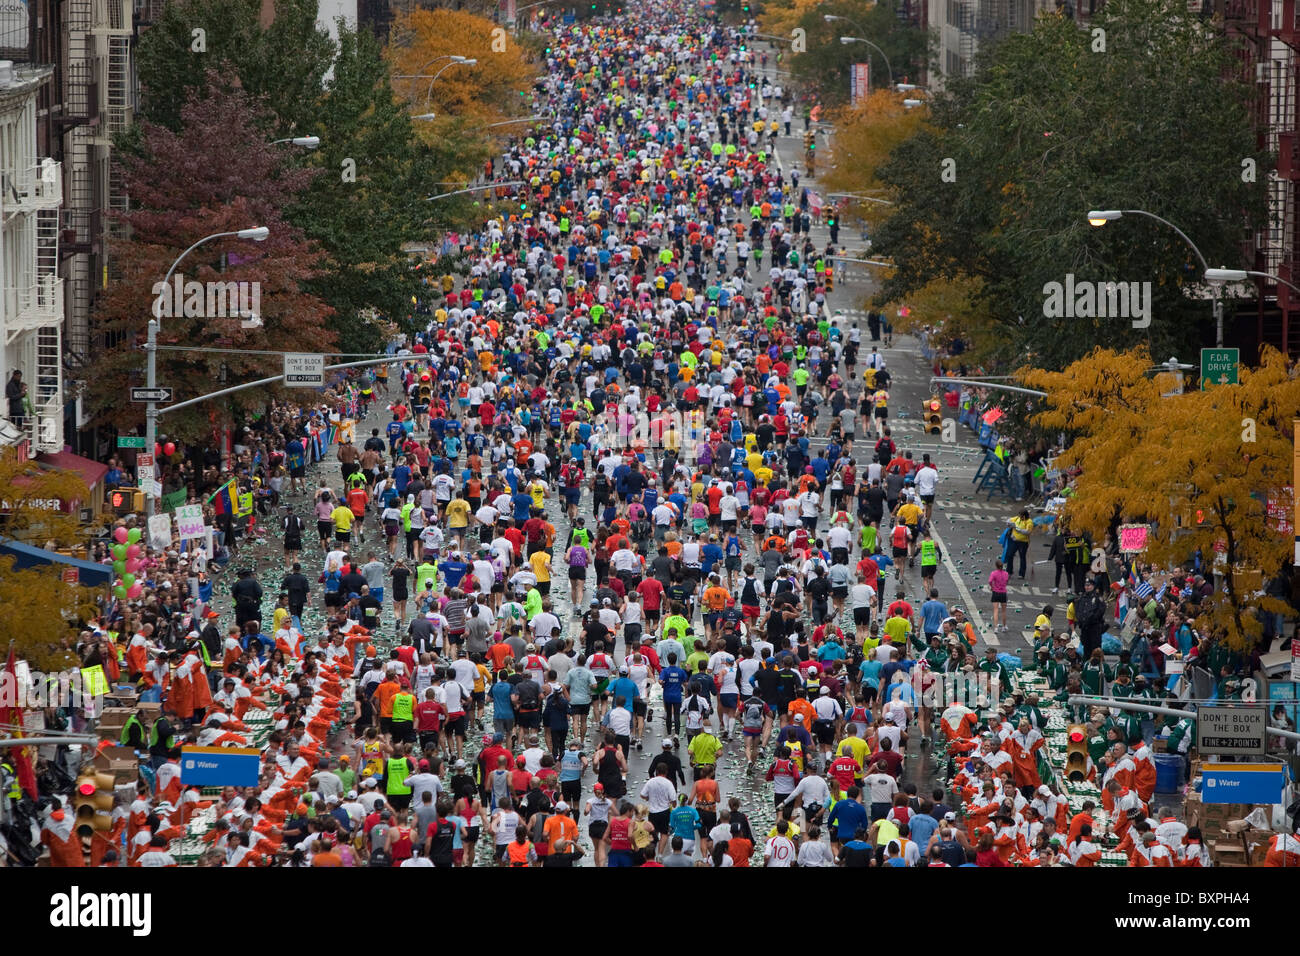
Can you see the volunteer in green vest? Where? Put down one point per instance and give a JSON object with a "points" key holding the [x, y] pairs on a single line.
{"points": [[404, 714], [162, 741], [1058, 671], [133, 733], [1097, 744], [13, 789], [396, 769]]}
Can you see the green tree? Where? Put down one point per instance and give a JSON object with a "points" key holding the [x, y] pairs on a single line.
{"points": [[283, 65], [824, 67], [1048, 128], [368, 200]]}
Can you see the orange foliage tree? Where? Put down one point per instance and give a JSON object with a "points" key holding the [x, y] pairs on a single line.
{"points": [[465, 98], [1200, 468]]}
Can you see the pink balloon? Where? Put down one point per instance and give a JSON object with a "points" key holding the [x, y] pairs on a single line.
{"points": [[169, 448], [133, 565], [133, 551], [134, 591], [120, 536]]}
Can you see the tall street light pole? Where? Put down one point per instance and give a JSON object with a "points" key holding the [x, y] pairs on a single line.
{"points": [[1099, 218], [257, 234], [888, 69]]}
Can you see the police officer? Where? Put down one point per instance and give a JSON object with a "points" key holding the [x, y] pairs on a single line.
{"points": [[248, 597]]}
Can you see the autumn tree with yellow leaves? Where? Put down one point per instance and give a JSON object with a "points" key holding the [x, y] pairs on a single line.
{"points": [[26, 488], [498, 87], [865, 136], [1199, 468]]}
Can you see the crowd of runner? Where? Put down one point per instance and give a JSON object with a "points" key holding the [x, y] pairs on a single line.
{"points": [[633, 490]]}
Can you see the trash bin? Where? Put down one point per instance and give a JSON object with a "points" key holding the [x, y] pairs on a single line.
{"points": [[1170, 770]]}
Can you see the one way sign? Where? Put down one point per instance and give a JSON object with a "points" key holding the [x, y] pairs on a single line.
{"points": [[161, 395]]}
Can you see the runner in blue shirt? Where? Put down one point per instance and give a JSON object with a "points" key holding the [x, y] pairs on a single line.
{"points": [[933, 612]]}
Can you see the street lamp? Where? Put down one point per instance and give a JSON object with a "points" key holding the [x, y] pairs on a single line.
{"points": [[833, 18], [1099, 218], [425, 117], [306, 142], [255, 234], [473, 189], [460, 61], [847, 40], [1217, 277], [418, 74], [512, 122]]}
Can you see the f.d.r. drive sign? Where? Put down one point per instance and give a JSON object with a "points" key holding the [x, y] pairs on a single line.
{"points": [[1232, 730]]}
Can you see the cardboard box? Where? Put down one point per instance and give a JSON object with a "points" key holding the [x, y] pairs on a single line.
{"points": [[1229, 851], [116, 715], [121, 762], [149, 710]]}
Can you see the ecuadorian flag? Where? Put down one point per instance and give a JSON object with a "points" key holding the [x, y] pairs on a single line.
{"points": [[225, 498]]}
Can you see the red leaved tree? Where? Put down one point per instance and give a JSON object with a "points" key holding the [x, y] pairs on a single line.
{"points": [[220, 173]]}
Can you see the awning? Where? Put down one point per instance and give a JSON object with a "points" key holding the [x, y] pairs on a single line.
{"points": [[91, 472], [26, 556]]}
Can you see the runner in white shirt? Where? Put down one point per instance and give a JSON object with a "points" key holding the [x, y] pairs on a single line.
{"points": [[780, 849]]}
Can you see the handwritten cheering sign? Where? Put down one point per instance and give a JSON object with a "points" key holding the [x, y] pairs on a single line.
{"points": [[189, 521], [1133, 538]]}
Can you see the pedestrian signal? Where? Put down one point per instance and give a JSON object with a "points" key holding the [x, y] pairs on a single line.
{"points": [[1076, 753], [126, 501]]}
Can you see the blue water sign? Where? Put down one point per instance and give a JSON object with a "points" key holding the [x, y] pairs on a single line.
{"points": [[220, 766], [1242, 782]]}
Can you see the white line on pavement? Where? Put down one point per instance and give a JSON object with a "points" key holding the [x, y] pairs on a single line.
{"points": [[972, 611]]}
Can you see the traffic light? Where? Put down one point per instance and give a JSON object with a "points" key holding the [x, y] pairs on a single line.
{"points": [[933, 416], [1076, 753], [126, 501], [92, 802]]}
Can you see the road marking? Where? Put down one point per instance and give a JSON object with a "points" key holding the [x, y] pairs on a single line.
{"points": [[990, 638]]}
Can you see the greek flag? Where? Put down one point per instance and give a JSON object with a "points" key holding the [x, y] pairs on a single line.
{"points": [[1144, 590]]}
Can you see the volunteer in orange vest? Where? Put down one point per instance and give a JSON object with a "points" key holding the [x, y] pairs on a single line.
{"points": [[1144, 774], [1024, 745], [1283, 848], [60, 835], [1083, 852]]}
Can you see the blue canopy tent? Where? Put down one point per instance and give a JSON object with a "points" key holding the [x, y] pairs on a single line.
{"points": [[26, 556]]}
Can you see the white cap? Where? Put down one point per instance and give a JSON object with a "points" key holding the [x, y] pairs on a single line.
{"points": [[824, 690]]}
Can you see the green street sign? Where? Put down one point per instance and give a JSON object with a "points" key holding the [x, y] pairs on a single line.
{"points": [[1219, 367], [130, 441]]}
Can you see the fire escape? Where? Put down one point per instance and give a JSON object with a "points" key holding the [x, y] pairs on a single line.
{"points": [[34, 305], [97, 107], [1275, 39]]}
